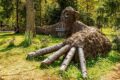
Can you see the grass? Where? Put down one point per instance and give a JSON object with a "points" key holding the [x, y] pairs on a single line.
{"points": [[14, 66]]}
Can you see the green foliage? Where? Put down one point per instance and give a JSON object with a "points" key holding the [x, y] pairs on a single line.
{"points": [[86, 18], [117, 23], [109, 13], [52, 14], [7, 7], [65, 3], [111, 7], [11, 42], [44, 42], [22, 15], [99, 12], [8, 13], [116, 43], [27, 40]]}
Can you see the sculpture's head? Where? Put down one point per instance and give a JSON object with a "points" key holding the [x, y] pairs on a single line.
{"points": [[69, 15]]}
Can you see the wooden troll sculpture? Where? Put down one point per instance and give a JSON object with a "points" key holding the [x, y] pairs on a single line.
{"points": [[83, 42]]}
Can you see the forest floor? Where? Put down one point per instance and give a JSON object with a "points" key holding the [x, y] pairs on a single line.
{"points": [[15, 66], [113, 74]]}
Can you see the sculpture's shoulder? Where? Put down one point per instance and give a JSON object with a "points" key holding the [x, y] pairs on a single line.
{"points": [[80, 24], [56, 25]]}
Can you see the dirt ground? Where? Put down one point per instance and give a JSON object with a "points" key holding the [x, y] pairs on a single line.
{"points": [[114, 74]]}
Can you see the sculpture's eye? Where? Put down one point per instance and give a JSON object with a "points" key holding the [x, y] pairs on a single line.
{"points": [[66, 15]]}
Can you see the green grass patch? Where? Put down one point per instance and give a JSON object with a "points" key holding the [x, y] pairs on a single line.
{"points": [[14, 66]]}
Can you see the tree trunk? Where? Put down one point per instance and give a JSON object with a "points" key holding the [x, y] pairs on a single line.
{"points": [[17, 17], [68, 59], [30, 18], [56, 55], [40, 13], [45, 50], [82, 62]]}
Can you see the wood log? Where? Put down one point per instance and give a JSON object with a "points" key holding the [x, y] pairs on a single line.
{"points": [[82, 62], [45, 50], [56, 55], [68, 59]]}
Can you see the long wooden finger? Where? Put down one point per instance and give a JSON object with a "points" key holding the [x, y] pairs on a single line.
{"points": [[68, 59], [56, 55], [82, 62], [45, 50]]}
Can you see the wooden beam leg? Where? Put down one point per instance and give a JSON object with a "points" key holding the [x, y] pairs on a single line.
{"points": [[56, 55], [68, 59], [82, 62], [45, 50]]}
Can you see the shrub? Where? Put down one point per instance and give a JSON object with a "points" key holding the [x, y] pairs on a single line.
{"points": [[52, 14], [11, 42], [44, 42], [116, 43], [28, 40]]}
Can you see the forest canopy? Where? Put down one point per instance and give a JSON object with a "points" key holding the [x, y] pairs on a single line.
{"points": [[100, 13]]}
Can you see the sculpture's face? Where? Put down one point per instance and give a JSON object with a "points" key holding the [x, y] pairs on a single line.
{"points": [[68, 15]]}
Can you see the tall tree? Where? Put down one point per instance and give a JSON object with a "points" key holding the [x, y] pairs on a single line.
{"points": [[30, 18], [17, 17], [110, 11], [41, 13]]}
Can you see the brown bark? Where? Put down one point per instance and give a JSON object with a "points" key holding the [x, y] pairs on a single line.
{"points": [[45, 50], [30, 18], [82, 62], [56, 55], [68, 59], [17, 17]]}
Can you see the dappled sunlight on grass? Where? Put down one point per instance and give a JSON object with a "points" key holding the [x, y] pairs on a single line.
{"points": [[14, 65], [103, 65], [109, 32]]}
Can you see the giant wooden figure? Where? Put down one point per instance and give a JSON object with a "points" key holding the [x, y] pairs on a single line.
{"points": [[82, 42]]}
